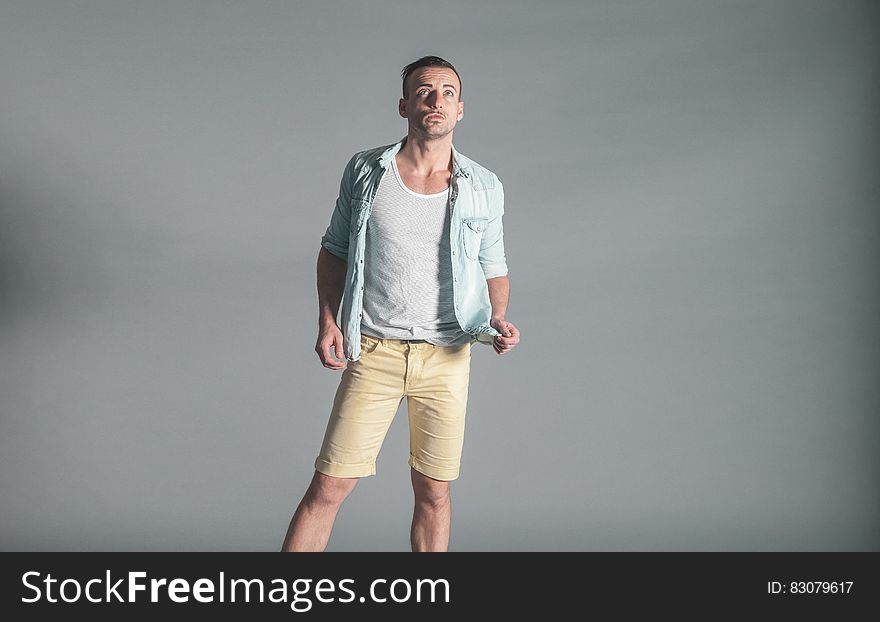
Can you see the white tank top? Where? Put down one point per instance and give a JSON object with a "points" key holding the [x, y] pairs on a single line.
{"points": [[407, 267]]}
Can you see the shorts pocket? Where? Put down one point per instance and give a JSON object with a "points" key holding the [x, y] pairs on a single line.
{"points": [[369, 343]]}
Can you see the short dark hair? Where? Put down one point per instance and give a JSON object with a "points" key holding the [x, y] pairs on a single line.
{"points": [[428, 61]]}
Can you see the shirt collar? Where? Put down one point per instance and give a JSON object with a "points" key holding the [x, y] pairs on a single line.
{"points": [[459, 166]]}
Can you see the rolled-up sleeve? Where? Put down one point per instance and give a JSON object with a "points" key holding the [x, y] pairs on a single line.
{"points": [[335, 238], [492, 257]]}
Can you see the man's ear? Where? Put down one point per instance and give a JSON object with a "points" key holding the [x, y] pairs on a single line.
{"points": [[401, 107]]}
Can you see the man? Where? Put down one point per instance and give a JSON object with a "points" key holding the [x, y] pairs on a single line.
{"points": [[415, 251]]}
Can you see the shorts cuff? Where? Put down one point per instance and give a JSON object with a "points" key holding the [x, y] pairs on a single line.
{"points": [[334, 469], [444, 475]]}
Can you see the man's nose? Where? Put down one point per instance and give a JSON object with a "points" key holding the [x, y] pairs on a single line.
{"points": [[434, 100]]}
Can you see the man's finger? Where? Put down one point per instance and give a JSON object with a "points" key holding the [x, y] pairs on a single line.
{"points": [[326, 351], [501, 346], [327, 359]]}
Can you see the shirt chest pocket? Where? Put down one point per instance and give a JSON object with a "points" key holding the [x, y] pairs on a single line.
{"points": [[472, 229]]}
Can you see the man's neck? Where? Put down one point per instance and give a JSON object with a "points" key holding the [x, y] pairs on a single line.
{"points": [[427, 157]]}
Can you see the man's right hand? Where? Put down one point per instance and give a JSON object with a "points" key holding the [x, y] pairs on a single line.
{"points": [[330, 339]]}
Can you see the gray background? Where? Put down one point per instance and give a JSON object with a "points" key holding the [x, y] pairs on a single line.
{"points": [[692, 236]]}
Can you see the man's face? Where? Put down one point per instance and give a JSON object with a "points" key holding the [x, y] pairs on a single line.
{"points": [[432, 106]]}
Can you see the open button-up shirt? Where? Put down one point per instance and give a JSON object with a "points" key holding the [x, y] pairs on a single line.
{"points": [[476, 238]]}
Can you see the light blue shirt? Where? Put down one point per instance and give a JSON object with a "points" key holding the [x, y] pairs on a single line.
{"points": [[476, 239]]}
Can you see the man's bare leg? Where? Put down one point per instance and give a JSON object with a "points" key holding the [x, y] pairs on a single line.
{"points": [[432, 514], [313, 520]]}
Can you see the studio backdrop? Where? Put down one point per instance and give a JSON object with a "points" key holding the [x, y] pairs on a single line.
{"points": [[691, 228]]}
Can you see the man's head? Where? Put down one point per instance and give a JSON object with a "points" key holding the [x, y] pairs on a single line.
{"points": [[431, 97], [427, 61]]}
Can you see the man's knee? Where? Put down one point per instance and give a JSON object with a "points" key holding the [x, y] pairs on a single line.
{"points": [[330, 490], [428, 490]]}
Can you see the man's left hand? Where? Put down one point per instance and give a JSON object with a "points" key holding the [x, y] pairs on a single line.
{"points": [[508, 338]]}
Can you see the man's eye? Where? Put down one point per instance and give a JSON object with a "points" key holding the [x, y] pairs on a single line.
{"points": [[450, 93]]}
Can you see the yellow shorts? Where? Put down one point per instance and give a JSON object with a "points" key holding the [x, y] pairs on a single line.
{"points": [[434, 380]]}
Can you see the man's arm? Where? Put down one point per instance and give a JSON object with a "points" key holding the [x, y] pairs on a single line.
{"points": [[494, 264], [332, 267], [492, 258], [331, 284], [499, 293], [335, 239]]}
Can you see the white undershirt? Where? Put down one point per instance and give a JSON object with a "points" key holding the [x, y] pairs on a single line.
{"points": [[407, 266]]}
